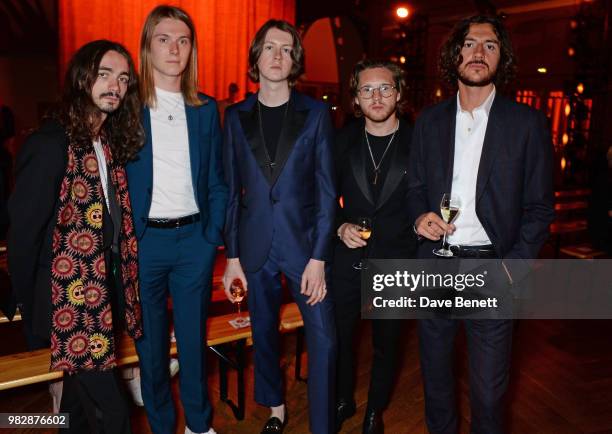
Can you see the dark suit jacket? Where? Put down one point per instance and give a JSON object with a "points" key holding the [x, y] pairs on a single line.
{"points": [[206, 171], [39, 170], [295, 200], [392, 234], [514, 190]]}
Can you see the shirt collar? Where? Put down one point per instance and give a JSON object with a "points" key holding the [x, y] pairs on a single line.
{"points": [[485, 106]]}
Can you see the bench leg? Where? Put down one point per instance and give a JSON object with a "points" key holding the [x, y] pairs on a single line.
{"points": [[238, 364], [299, 349]]}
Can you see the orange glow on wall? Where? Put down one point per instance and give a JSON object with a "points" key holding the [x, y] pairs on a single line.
{"points": [[224, 30]]}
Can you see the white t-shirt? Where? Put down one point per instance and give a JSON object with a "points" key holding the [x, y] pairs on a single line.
{"points": [[173, 194]]}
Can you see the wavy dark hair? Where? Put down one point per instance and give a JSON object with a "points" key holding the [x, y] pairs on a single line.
{"points": [[450, 53], [398, 80], [297, 51], [122, 128]]}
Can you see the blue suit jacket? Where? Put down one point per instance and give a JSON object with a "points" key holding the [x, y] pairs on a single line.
{"points": [[206, 171], [293, 199]]}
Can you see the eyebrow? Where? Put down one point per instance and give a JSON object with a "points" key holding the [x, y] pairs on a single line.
{"points": [[168, 36], [106, 68], [469, 38]]}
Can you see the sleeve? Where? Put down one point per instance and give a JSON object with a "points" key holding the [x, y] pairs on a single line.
{"points": [[538, 196], [417, 182], [325, 189], [232, 178], [40, 167], [217, 188]]}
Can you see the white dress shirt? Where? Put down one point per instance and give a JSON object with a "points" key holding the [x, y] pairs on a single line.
{"points": [[470, 132], [173, 194], [102, 169]]}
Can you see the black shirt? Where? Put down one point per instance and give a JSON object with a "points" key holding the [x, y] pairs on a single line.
{"points": [[272, 119], [378, 145]]}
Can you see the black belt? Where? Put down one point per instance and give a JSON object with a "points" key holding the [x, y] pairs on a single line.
{"points": [[486, 251], [173, 223]]}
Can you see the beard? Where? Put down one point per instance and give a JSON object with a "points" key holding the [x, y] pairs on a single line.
{"points": [[481, 82], [107, 107]]}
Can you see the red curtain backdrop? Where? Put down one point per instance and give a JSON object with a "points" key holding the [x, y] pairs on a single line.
{"points": [[224, 29]]}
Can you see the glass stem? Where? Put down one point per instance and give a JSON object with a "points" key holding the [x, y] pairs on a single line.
{"points": [[444, 244], [239, 308]]}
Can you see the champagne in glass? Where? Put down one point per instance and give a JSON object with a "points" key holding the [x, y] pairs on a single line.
{"points": [[238, 292], [449, 210], [364, 227]]}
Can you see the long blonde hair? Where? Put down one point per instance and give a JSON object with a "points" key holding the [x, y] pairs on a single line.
{"points": [[189, 78]]}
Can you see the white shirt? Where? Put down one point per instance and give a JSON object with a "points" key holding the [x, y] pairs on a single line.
{"points": [[470, 131], [173, 194], [97, 144]]}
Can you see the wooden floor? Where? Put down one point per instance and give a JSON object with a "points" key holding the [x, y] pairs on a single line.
{"points": [[561, 384]]}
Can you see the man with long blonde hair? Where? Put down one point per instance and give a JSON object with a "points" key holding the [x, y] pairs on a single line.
{"points": [[179, 198]]}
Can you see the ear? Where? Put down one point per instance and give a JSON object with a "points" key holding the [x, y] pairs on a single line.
{"points": [[356, 101]]}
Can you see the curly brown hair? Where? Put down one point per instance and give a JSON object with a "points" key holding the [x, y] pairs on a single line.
{"points": [[297, 52], [398, 79], [450, 53], [122, 128]]}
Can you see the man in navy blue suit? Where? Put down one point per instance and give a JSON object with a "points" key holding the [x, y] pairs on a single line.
{"points": [[280, 172], [496, 156], [179, 197]]}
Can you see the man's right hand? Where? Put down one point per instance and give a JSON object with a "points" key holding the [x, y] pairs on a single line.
{"points": [[349, 235], [233, 270], [431, 226]]}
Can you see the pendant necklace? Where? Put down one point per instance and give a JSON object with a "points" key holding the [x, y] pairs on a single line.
{"points": [[171, 117], [377, 166]]}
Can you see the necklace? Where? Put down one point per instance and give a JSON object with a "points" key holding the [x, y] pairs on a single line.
{"points": [[271, 163], [171, 117], [377, 166]]}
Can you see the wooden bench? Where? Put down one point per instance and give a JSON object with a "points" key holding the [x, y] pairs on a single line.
{"points": [[17, 370]]}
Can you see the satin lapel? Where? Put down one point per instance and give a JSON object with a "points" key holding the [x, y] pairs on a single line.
{"points": [[193, 131], [359, 159], [293, 125], [492, 140], [250, 127], [397, 168], [446, 131]]}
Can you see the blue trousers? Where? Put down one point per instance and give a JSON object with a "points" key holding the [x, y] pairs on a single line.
{"points": [[178, 261], [264, 298]]}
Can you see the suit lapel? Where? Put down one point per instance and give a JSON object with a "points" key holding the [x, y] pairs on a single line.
{"points": [[193, 131], [446, 131], [397, 167], [492, 140], [359, 159], [293, 125], [146, 153], [249, 120]]}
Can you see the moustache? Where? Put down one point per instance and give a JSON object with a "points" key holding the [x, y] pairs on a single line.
{"points": [[111, 93], [478, 62]]}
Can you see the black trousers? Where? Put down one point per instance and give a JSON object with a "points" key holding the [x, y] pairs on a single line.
{"points": [[346, 287], [96, 403], [489, 344]]}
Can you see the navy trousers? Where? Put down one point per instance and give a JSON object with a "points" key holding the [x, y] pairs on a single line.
{"points": [[489, 349], [264, 298], [178, 261]]}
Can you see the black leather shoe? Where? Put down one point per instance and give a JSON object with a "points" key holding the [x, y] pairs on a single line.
{"points": [[344, 410], [274, 426], [373, 422]]}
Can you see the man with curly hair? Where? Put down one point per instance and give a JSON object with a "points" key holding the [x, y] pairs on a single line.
{"points": [[71, 244], [496, 156]]}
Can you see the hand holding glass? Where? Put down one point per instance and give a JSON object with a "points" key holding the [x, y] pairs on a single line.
{"points": [[449, 209], [364, 227]]}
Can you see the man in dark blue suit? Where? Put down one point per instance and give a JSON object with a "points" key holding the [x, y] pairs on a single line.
{"points": [[179, 197], [496, 156], [280, 171]]}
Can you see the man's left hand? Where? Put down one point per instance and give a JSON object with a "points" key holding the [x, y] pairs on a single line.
{"points": [[313, 282]]}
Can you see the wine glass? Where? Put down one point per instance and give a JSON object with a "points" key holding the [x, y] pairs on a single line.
{"points": [[238, 292], [364, 227], [449, 209]]}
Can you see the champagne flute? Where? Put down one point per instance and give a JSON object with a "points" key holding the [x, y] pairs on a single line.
{"points": [[364, 227], [449, 209]]}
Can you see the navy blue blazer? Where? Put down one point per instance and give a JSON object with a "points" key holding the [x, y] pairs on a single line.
{"points": [[292, 199], [206, 171], [514, 188]]}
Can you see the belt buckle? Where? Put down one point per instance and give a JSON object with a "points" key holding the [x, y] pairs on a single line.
{"points": [[177, 224]]}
